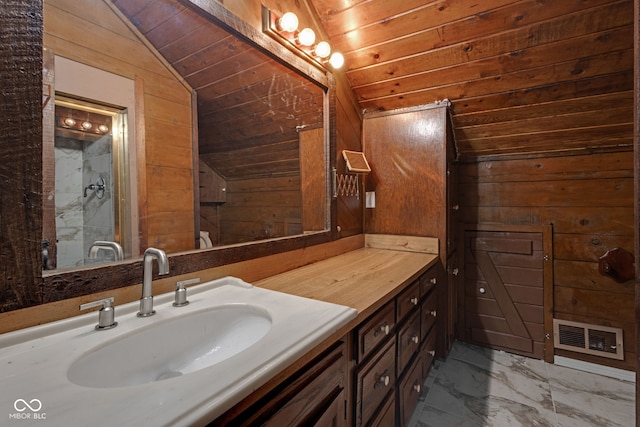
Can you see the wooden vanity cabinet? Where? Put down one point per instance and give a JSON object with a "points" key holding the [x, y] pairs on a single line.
{"points": [[375, 382], [315, 396], [375, 330], [392, 366]]}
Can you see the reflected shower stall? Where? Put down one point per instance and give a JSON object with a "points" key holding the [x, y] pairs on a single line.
{"points": [[87, 140]]}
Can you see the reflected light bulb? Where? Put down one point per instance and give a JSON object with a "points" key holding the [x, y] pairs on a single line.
{"points": [[323, 49], [306, 37], [336, 60], [288, 22]]}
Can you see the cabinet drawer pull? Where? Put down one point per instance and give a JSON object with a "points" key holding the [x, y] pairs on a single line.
{"points": [[482, 290], [433, 313], [417, 387], [433, 280], [384, 379], [414, 300], [432, 352], [383, 329], [415, 339]]}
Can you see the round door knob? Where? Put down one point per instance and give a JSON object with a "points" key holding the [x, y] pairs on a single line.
{"points": [[482, 290], [433, 280], [414, 300], [432, 352], [455, 271], [415, 339], [433, 313], [417, 387]]}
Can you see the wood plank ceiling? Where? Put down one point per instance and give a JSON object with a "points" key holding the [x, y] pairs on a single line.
{"points": [[246, 100], [524, 76]]}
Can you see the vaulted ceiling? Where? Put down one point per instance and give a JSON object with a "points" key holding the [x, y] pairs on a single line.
{"points": [[523, 76]]}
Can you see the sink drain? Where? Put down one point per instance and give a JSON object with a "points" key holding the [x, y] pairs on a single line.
{"points": [[168, 374]]}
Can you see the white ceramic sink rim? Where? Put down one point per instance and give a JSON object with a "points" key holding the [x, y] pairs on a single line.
{"points": [[34, 362]]}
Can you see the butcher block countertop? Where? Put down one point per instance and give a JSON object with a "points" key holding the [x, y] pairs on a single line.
{"points": [[365, 278]]}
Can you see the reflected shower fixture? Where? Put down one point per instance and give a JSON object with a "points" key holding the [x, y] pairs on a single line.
{"points": [[99, 187], [284, 29]]}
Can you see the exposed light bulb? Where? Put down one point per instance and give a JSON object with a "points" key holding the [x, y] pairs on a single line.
{"points": [[322, 50], [69, 121], [288, 22], [103, 128], [336, 60], [306, 37], [86, 125]]}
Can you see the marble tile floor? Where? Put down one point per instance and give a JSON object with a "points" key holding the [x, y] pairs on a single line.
{"points": [[476, 386]]}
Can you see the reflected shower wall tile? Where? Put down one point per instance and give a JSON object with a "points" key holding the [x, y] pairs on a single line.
{"points": [[68, 169], [69, 210], [99, 147], [98, 212]]}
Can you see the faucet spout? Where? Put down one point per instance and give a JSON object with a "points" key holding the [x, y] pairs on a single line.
{"points": [[146, 301], [106, 245]]}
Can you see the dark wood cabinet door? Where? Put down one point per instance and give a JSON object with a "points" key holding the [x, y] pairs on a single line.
{"points": [[504, 290]]}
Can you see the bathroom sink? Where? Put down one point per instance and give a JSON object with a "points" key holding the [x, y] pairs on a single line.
{"points": [[171, 348], [183, 366]]}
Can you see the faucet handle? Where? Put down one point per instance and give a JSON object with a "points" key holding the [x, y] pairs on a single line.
{"points": [[106, 315], [181, 292]]}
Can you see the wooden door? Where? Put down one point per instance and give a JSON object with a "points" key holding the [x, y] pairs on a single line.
{"points": [[504, 291]]}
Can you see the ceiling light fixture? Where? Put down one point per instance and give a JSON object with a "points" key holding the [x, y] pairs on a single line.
{"points": [[284, 29]]}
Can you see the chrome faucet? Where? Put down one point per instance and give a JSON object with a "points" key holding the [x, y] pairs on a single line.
{"points": [[146, 302], [114, 247]]}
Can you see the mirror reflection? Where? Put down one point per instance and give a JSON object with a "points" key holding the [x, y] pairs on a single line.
{"points": [[226, 145], [86, 145]]}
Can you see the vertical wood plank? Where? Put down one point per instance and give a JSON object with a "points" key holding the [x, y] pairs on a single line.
{"points": [[21, 136], [312, 179]]}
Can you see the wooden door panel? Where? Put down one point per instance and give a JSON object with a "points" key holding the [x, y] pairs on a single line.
{"points": [[504, 290], [500, 325], [519, 294], [490, 308], [510, 275]]}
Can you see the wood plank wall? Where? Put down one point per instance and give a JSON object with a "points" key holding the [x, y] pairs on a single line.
{"points": [[256, 209], [588, 200], [166, 184]]}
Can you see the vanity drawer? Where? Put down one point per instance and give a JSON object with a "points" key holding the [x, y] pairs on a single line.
{"points": [[428, 314], [408, 341], [408, 300], [429, 280], [374, 381], [409, 391], [428, 353], [376, 329], [387, 415]]}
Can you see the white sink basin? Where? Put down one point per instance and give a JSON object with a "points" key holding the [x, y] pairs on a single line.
{"points": [[171, 348], [184, 366]]}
